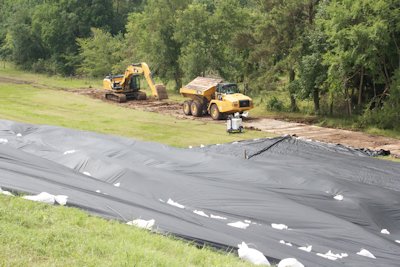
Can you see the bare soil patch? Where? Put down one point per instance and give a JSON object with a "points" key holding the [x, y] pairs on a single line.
{"points": [[279, 127], [13, 81], [329, 135]]}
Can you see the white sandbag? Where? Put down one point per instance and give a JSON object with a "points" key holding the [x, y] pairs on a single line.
{"points": [[3, 141], [333, 256], [45, 197], [69, 152], [217, 217], [61, 199], [42, 197], [176, 204], [385, 232], [338, 197], [252, 255], [279, 226], [306, 249], [285, 243], [239, 224], [7, 193], [366, 253], [200, 212], [290, 262], [142, 223]]}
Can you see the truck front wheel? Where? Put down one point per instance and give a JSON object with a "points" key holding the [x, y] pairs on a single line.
{"points": [[186, 107], [215, 114]]}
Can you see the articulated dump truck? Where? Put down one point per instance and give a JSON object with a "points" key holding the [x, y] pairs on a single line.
{"points": [[214, 97]]}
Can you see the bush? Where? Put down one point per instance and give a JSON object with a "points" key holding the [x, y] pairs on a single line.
{"points": [[274, 104], [386, 116], [44, 66], [99, 53]]}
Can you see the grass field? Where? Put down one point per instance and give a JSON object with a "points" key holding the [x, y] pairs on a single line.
{"points": [[25, 103], [33, 234]]}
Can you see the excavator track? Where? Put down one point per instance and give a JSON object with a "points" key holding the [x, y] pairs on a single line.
{"points": [[120, 98]]}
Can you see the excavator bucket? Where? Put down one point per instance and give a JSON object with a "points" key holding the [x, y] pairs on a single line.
{"points": [[161, 92]]}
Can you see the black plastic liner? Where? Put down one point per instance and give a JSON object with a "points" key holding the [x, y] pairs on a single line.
{"points": [[259, 182]]}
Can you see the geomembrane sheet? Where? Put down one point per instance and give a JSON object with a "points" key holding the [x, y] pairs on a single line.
{"points": [[329, 196]]}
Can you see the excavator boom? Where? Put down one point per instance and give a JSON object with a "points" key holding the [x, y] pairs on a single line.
{"points": [[157, 90]]}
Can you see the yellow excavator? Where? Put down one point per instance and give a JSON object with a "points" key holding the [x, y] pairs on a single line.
{"points": [[125, 87]]}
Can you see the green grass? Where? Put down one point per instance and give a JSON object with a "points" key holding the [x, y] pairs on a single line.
{"points": [[390, 158], [27, 104], [35, 234], [9, 71]]}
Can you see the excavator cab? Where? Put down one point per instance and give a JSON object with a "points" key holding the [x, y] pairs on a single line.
{"points": [[134, 84]]}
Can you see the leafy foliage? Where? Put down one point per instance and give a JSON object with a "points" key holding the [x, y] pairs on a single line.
{"points": [[274, 104], [99, 53]]}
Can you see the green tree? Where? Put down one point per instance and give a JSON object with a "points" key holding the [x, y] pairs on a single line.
{"points": [[193, 33], [41, 35], [121, 11], [312, 73], [363, 37], [280, 39], [150, 37], [59, 23], [99, 53], [213, 38]]}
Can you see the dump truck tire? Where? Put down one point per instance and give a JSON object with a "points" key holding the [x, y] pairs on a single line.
{"points": [[196, 109], [186, 107], [215, 114]]}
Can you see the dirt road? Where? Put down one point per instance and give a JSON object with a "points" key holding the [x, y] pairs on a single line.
{"points": [[329, 135]]}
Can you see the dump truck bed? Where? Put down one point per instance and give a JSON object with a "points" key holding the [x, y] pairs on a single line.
{"points": [[203, 83], [201, 86]]}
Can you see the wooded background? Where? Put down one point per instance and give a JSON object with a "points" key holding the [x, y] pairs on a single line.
{"points": [[343, 55]]}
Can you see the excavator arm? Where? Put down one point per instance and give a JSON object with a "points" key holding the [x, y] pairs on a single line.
{"points": [[157, 90]]}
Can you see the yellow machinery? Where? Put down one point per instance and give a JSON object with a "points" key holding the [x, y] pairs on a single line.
{"points": [[208, 95], [127, 87]]}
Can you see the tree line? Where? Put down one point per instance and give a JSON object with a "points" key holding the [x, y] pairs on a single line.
{"points": [[343, 55]]}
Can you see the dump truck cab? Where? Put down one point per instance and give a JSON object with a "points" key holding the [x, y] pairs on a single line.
{"points": [[226, 89], [213, 96]]}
